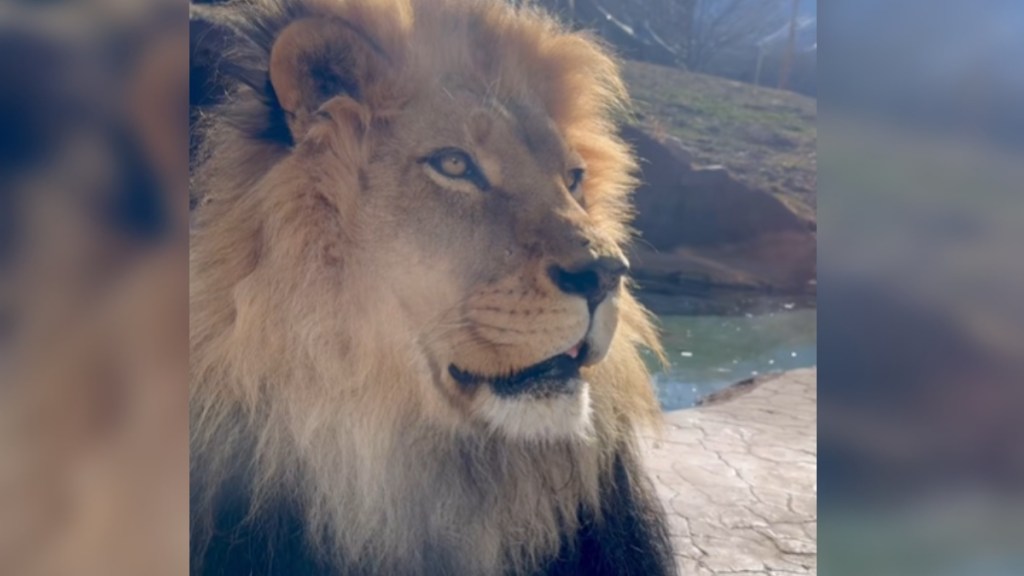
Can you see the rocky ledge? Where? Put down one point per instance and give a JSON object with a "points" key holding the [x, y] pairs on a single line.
{"points": [[739, 480], [726, 207]]}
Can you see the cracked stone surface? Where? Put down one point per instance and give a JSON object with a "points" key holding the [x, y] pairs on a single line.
{"points": [[739, 480]]}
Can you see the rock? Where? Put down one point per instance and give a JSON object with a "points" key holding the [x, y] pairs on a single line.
{"points": [[731, 392], [704, 233], [738, 480]]}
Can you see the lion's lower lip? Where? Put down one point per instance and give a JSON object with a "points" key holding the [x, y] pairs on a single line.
{"points": [[559, 373]]}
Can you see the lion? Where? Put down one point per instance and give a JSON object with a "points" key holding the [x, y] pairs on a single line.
{"points": [[413, 349]]}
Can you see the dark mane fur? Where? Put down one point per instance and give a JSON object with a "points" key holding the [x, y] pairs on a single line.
{"points": [[627, 538], [230, 53]]}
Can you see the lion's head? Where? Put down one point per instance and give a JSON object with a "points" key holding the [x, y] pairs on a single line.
{"points": [[410, 244], [447, 189]]}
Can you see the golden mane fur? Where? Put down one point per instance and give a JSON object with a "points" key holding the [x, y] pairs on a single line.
{"points": [[300, 377]]}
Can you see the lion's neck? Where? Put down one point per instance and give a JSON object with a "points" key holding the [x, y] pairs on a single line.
{"points": [[386, 490], [418, 496]]}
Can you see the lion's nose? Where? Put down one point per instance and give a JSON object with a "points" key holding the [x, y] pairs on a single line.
{"points": [[593, 280]]}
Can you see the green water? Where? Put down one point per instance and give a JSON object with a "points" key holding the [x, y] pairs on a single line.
{"points": [[708, 353]]}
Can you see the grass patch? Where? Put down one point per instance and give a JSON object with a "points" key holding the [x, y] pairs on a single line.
{"points": [[766, 138]]}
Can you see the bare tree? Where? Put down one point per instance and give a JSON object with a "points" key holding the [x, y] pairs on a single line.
{"points": [[672, 20], [787, 59], [721, 26], [695, 31]]}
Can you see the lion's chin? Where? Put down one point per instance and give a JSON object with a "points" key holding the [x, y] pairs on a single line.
{"points": [[548, 400], [539, 417]]}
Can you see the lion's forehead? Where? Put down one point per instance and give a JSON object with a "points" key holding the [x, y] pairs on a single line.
{"points": [[529, 70], [539, 133], [504, 136]]}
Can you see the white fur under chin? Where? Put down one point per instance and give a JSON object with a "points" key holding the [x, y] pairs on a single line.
{"points": [[539, 418]]}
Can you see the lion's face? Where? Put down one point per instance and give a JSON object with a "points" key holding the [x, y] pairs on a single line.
{"points": [[479, 212], [466, 197], [406, 297]]}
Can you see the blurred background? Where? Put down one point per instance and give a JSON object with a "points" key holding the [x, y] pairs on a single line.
{"points": [[921, 333], [93, 288], [921, 340]]}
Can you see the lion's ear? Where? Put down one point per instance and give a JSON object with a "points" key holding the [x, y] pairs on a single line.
{"points": [[316, 59]]}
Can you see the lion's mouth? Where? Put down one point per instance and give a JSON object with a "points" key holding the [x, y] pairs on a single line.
{"points": [[557, 375]]}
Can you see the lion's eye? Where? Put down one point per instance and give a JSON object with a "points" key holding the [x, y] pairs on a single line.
{"points": [[452, 164], [456, 164], [575, 179]]}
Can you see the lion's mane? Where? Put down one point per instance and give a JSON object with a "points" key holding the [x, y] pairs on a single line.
{"points": [[292, 473]]}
